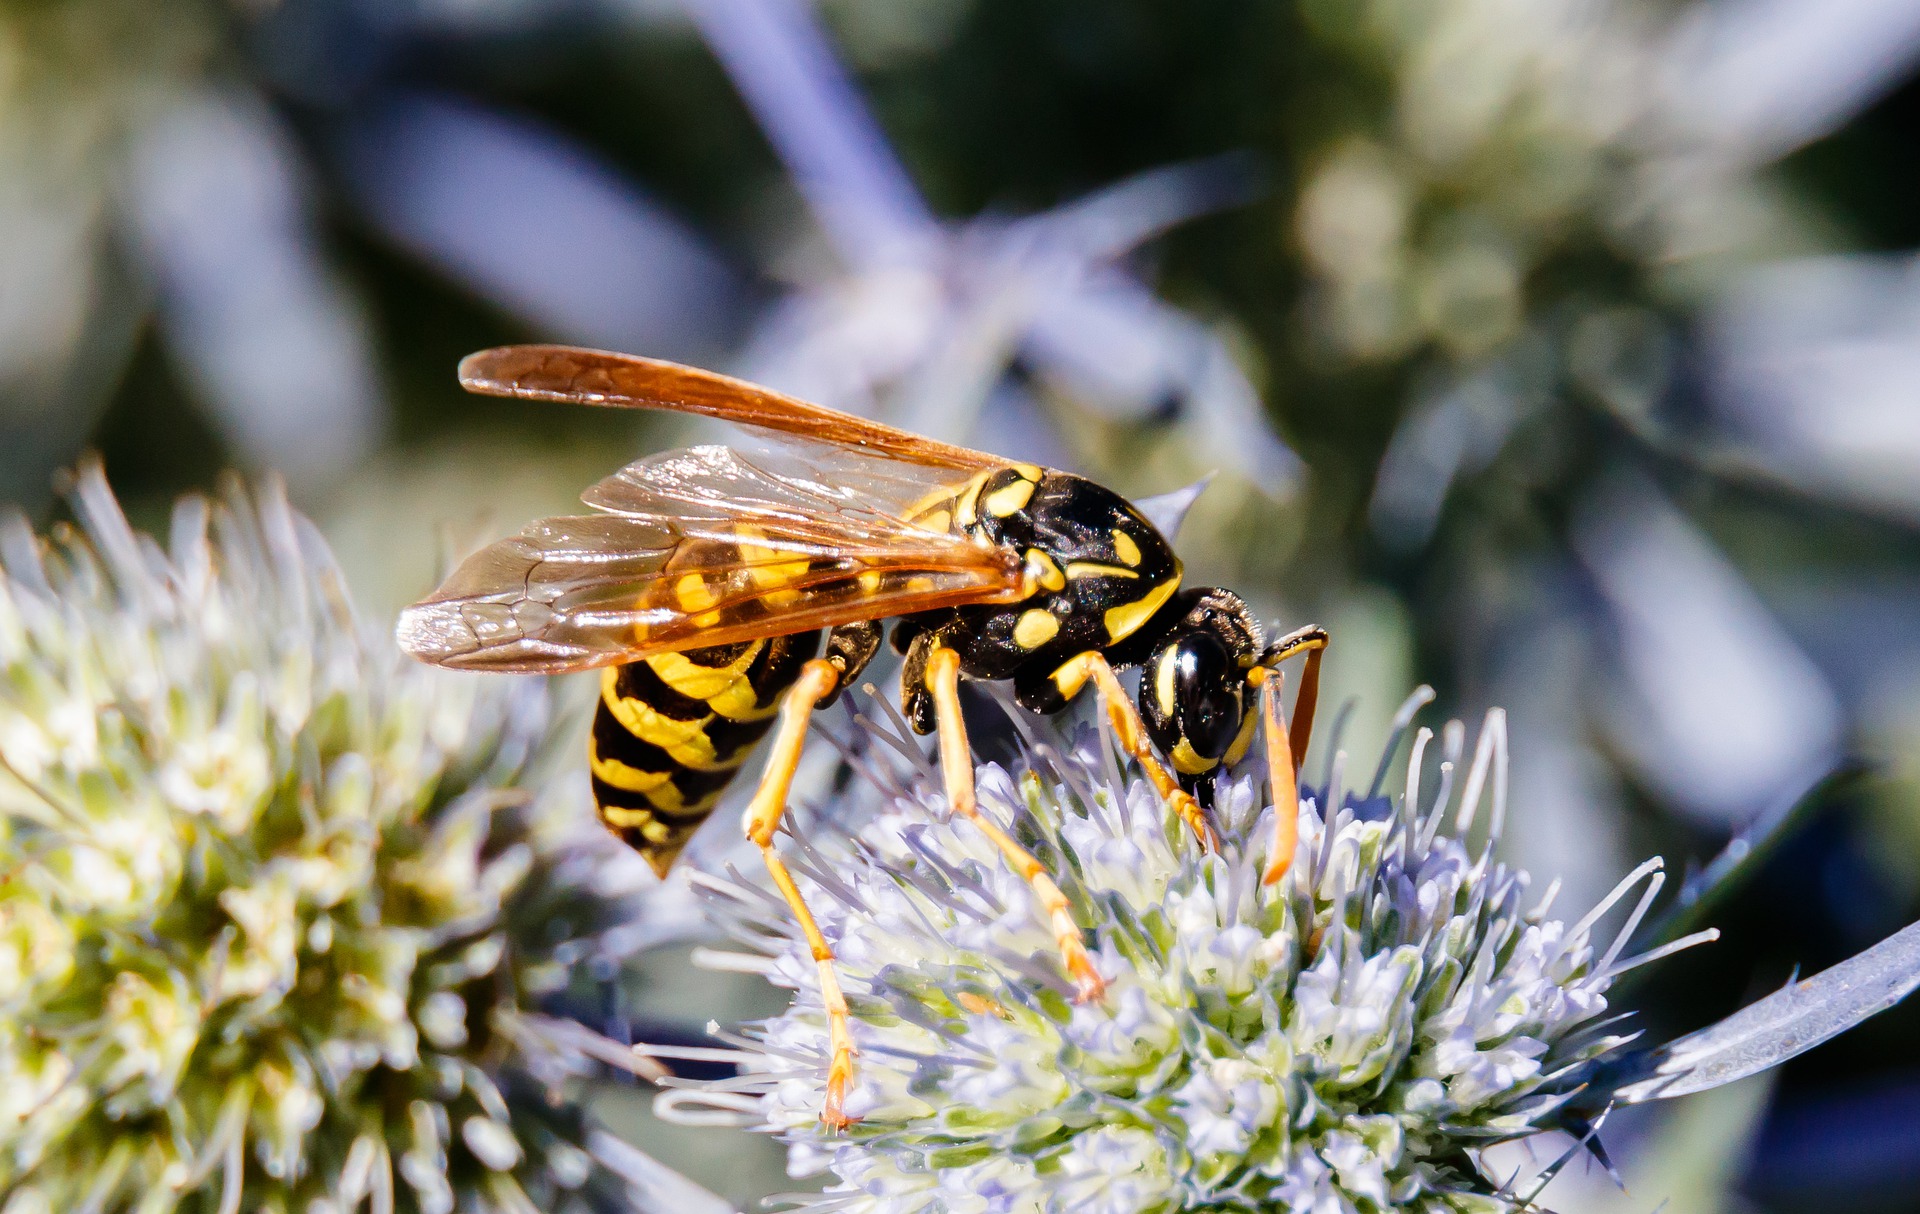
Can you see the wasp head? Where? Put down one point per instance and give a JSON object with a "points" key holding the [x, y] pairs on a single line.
{"points": [[1194, 694]]}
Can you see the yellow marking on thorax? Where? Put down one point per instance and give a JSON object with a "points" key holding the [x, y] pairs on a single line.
{"points": [[1123, 621], [1032, 472], [769, 571], [1047, 569], [777, 600], [693, 593], [938, 520], [1124, 545], [1010, 499], [946, 499], [966, 511], [1034, 628], [1080, 569]]}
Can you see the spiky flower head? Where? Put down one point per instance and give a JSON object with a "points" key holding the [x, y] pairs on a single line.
{"points": [[1348, 1039], [276, 914]]}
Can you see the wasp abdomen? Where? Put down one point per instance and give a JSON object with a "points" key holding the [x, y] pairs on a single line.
{"points": [[673, 729]]}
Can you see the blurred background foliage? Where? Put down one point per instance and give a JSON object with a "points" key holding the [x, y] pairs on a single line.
{"points": [[1563, 354]]}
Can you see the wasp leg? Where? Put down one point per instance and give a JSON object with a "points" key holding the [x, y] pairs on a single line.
{"points": [[1312, 641], [1285, 747], [956, 771], [1280, 770], [1131, 732], [818, 679]]}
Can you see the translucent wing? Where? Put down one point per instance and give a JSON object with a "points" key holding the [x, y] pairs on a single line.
{"points": [[706, 546], [596, 377]]}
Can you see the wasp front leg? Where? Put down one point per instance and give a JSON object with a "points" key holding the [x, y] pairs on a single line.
{"points": [[939, 669], [1281, 773], [1131, 732], [1287, 746], [1311, 641]]}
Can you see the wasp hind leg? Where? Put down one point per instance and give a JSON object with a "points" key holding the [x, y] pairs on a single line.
{"points": [[1131, 732], [1287, 745], [820, 681], [942, 683]]}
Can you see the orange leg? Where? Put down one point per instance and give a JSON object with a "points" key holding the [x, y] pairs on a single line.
{"points": [[1286, 782], [956, 771], [1131, 732], [1285, 746], [817, 680], [1312, 641]]}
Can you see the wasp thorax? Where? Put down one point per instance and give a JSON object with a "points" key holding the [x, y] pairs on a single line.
{"points": [[1100, 568]]}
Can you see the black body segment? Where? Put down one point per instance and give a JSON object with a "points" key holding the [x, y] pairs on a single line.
{"points": [[702, 587], [672, 730], [1194, 695], [1103, 575]]}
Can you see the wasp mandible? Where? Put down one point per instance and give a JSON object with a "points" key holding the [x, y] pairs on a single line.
{"points": [[706, 580]]}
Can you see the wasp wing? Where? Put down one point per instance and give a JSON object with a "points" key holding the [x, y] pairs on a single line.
{"points": [[706, 546], [597, 377]]}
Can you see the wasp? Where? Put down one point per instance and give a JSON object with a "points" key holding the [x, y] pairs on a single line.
{"points": [[725, 594]]}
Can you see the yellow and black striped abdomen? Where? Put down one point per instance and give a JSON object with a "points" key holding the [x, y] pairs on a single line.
{"points": [[672, 730]]}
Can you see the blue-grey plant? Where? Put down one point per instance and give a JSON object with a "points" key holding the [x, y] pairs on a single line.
{"points": [[278, 909], [923, 320], [1349, 1039]]}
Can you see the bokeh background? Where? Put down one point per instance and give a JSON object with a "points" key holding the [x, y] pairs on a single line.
{"points": [[1562, 354]]}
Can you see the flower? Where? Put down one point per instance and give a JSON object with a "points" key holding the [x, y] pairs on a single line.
{"points": [[1581, 265], [921, 322], [278, 912], [1348, 1039], [143, 168]]}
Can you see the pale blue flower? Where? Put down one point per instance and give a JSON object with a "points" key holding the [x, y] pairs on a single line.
{"points": [[1346, 1041]]}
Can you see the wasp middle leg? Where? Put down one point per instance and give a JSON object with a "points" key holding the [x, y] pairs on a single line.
{"points": [[848, 650], [942, 681]]}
